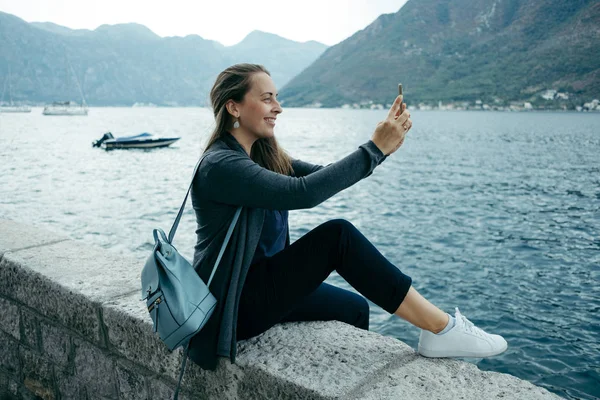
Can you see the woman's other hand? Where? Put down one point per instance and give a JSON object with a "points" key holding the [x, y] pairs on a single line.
{"points": [[390, 133]]}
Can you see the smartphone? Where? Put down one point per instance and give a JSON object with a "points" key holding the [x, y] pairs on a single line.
{"points": [[400, 94]]}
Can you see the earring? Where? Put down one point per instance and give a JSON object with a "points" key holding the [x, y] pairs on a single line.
{"points": [[236, 124]]}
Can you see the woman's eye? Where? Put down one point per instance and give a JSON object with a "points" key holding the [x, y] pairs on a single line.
{"points": [[269, 99]]}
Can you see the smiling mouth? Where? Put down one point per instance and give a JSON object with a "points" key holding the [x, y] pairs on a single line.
{"points": [[270, 121]]}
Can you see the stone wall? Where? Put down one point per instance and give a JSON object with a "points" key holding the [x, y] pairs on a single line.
{"points": [[72, 326]]}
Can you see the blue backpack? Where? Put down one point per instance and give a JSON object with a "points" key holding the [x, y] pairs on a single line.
{"points": [[178, 300]]}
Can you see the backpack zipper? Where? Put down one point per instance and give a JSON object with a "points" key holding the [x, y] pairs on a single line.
{"points": [[154, 306], [155, 303]]}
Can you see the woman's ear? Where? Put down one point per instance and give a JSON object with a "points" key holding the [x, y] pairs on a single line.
{"points": [[232, 108]]}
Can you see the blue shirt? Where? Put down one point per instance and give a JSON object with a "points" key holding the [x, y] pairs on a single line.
{"points": [[273, 235]]}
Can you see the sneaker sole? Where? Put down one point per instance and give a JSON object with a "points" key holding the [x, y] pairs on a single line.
{"points": [[449, 354]]}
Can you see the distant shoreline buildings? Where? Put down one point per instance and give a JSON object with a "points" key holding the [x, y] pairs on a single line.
{"points": [[548, 100]]}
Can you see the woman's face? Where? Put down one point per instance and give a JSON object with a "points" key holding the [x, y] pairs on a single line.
{"points": [[259, 108]]}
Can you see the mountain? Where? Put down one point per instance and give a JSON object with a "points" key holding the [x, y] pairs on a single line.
{"points": [[127, 32], [127, 63], [270, 49], [461, 50], [54, 28]]}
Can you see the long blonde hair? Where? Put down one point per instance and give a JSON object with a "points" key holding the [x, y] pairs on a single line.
{"points": [[233, 84]]}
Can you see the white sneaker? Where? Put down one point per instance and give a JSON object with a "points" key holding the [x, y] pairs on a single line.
{"points": [[463, 340]]}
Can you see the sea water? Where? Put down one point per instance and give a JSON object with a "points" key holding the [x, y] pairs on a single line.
{"points": [[497, 213]]}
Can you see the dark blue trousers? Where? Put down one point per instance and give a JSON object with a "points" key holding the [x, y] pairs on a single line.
{"points": [[288, 286]]}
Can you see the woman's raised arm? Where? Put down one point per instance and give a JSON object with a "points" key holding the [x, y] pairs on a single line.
{"points": [[233, 178], [303, 168]]}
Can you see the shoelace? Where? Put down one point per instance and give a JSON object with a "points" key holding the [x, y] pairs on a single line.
{"points": [[469, 326]]}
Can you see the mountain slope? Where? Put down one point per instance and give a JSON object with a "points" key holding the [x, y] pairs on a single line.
{"points": [[461, 50], [63, 30], [272, 50], [128, 63]]}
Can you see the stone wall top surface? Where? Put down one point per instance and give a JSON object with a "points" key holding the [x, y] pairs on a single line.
{"points": [[19, 236], [336, 360]]}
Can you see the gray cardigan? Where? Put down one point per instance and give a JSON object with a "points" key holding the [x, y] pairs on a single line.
{"points": [[228, 178]]}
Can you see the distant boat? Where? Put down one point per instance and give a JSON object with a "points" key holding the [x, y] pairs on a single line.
{"points": [[15, 109], [68, 107], [142, 141], [11, 107], [143, 105], [65, 108]]}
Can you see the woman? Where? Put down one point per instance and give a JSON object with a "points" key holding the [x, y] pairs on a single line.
{"points": [[262, 279]]}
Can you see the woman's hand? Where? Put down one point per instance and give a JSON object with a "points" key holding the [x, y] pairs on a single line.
{"points": [[390, 133]]}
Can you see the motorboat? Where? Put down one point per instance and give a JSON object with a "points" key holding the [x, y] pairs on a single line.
{"points": [[142, 141]]}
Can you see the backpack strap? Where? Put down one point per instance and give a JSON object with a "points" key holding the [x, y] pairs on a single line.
{"points": [[227, 237], [180, 213], [185, 357]]}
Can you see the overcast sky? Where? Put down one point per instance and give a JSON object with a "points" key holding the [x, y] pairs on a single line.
{"points": [[226, 21]]}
